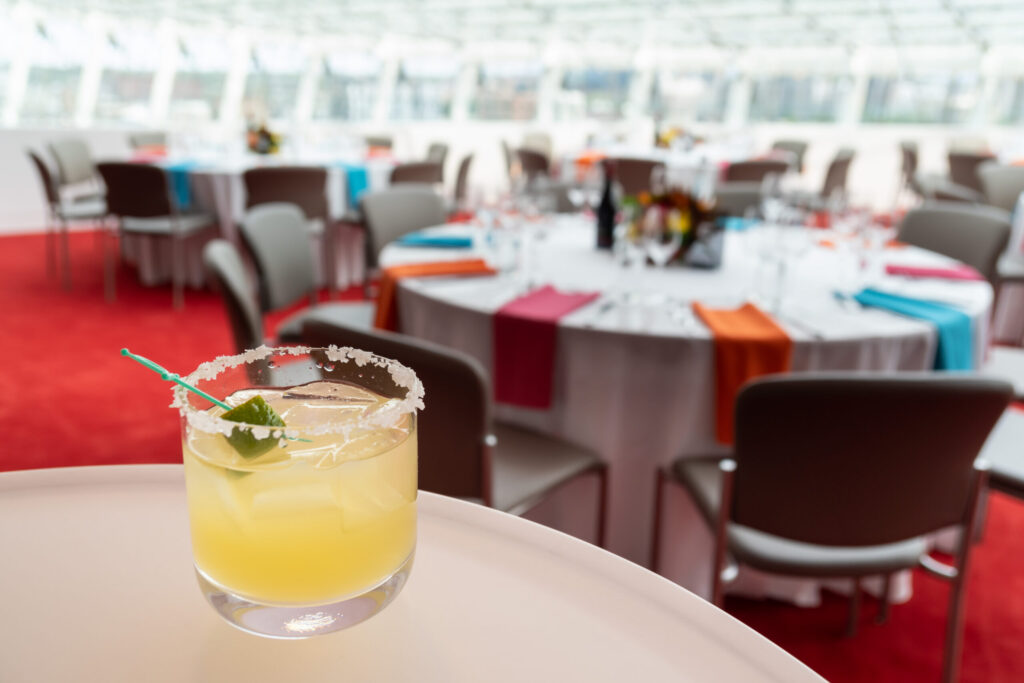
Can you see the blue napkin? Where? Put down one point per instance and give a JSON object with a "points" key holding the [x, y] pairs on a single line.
{"points": [[437, 241], [738, 223], [955, 348], [181, 185], [357, 181]]}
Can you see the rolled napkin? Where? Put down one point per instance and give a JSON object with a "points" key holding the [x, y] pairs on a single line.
{"points": [[525, 339], [958, 272], [748, 344], [415, 239], [956, 342], [387, 303]]}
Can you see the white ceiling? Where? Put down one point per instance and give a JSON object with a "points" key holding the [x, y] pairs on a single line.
{"points": [[624, 23]]}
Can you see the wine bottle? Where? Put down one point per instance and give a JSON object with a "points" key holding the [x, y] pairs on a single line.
{"points": [[606, 209]]}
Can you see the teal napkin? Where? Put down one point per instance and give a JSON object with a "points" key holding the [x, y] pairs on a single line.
{"points": [[357, 181], [437, 241], [181, 185], [956, 341]]}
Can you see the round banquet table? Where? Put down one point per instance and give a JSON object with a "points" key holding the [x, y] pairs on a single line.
{"points": [[636, 383], [97, 570]]}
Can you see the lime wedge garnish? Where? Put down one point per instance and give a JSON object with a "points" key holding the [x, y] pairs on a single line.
{"points": [[255, 411]]}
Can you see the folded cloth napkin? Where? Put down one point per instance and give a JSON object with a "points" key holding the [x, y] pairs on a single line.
{"points": [[956, 342], [957, 272], [387, 301], [179, 173], [357, 181], [437, 241], [748, 344], [525, 339]]}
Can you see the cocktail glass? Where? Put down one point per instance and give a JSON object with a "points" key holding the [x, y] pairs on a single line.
{"points": [[310, 527]]}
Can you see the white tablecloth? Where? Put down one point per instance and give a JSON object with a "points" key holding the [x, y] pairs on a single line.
{"points": [[638, 386], [98, 572]]}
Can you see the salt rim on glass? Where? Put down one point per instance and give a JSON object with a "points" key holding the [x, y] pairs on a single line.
{"points": [[388, 416]]}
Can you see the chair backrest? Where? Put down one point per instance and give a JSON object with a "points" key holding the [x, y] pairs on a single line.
{"points": [[755, 170], [227, 275], [736, 199], [304, 186], [153, 138], [74, 162], [963, 168], [534, 164], [276, 236], [798, 148], [506, 153], [538, 141], [422, 172], [46, 178], [1003, 184], [382, 141], [396, 211], [136, 190], [908, 162], [462, 179], [634, 175], [437, 153], [855, 459], [974, 234], [838, 169], [453, 427]]}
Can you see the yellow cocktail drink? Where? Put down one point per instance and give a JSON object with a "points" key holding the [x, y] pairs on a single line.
{"points": [[309, 521]]}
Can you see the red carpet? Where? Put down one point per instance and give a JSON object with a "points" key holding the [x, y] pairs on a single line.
{"points": [[68, 398]]}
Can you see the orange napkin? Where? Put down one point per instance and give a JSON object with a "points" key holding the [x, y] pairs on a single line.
{"points": [[748, 344], [387, 302]]}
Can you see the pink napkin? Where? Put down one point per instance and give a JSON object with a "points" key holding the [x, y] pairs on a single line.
{"points": [[525, 339], [958, 272]]}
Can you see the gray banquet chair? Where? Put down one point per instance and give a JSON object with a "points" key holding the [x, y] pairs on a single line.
{"points": [[534, 165], [139, 197], [275, 235], [798, 148], [462, 182], [1003, 184], [437, 153], [74, 161], [1005, 456], [931, 186], [634, 175], [396, 211], [462, 451], [963, 169], [754, 170], [975, 235], [60, 212], [421, 172], [874, 464], [738, 198]]}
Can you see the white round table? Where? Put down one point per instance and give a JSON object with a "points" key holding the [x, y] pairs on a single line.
{"points": [[636, 383], [96, 584]]}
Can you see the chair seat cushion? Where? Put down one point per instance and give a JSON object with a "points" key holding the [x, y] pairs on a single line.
{"points": [[162, 225], [1006, 363], [80, 209], [771, 553], [1011, 268], [526, 464], [1004, 453], [359, 314]]}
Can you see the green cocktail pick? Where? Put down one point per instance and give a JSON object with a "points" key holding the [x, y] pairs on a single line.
{"points": [[245, 443]]}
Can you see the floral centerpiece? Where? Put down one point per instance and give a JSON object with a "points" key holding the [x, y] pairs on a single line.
{"points": [[675, 221]]}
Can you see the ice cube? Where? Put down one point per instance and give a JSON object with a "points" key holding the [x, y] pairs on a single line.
{"points": [[333, 391]]}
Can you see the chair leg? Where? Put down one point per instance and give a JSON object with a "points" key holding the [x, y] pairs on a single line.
{"points": [[659, 485], [65, 255], [854, 616], [602, 506], [51, 250], [177, 295], [883, 603], [109, 276]]}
